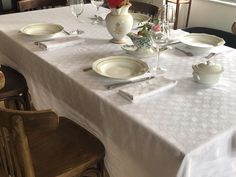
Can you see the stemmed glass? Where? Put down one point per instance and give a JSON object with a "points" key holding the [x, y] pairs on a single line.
{"points": [[77, 8], [98, 4], [160, 38]]}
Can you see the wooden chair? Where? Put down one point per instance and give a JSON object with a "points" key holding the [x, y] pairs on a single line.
{"points": [[234, 28], [39, 144], [143, 7], [11, 9], [230, 39], [178, 3], [15, 89], [26, 5]]}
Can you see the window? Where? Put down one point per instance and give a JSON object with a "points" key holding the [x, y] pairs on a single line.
{"points": [[229, 0]]}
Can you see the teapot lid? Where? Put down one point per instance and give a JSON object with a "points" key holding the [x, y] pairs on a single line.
{"points": [[208, 67]]}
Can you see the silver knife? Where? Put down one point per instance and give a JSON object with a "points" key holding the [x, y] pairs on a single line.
{"points": [[119, 84], [46, 40]]}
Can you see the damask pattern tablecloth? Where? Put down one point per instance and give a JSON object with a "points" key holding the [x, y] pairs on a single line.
{"points": [[186, 131]]}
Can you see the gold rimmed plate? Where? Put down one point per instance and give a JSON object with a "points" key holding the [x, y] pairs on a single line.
{"points": [[41, 30], [120, 67]]}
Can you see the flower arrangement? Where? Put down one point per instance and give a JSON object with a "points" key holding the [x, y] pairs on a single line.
{"points": [[117, 3], [153, 25]]}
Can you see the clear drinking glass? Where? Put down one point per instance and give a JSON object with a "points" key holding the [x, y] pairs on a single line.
{"points": [[98, 4], [77, 8], [160, 38]]}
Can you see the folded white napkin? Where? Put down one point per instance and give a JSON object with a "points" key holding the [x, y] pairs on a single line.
{"points": [[60, 42], [147, 88]]}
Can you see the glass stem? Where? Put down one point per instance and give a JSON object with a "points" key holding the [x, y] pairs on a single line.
{"points": [[77, 16], [158, 58], [97, 13]]}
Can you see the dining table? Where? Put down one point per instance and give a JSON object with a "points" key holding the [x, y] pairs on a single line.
{"points": [[186, 131]]}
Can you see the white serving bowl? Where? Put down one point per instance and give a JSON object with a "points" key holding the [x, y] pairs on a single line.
{"points": [[139, 19], [201, 42]]}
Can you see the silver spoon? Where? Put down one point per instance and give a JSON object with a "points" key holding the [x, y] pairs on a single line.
{"points": [[210, 55]]}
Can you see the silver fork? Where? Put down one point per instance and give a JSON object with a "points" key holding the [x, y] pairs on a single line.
{"points": [[66, 32], [190, 54]]}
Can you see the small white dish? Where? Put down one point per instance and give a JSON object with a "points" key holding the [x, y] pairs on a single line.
{"points": [[201, 42], [120, 67], [139, 19], [41, 30], [207, 73], [140, 52]]}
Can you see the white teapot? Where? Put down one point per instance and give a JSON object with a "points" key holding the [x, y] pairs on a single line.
{"points": [[207, 73]]}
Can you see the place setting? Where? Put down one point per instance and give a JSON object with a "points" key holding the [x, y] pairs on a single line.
{"points": [[50, 36], [131, 77]]}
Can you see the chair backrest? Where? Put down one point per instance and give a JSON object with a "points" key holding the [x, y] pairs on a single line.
{"points": [[9, 6], [234, 28], [144, 8], [230, 39], [25, 5], [15, 157]]}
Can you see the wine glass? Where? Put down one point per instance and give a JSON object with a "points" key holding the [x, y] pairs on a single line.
{"points": [[160, 38], [98, 4], [77, 8]]}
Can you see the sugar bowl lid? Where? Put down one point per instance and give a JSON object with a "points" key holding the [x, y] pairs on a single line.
{"points": [[208, 68]]}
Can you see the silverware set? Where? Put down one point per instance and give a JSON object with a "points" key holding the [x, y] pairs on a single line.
{"points": [[119, 84], [64, 31]]}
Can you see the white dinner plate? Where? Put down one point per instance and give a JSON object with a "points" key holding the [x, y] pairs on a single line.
{"points": [[120, 67], [139, 19], [41, 30]]}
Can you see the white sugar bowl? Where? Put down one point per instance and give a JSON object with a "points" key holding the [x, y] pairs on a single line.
{"points": [[207, 73]]}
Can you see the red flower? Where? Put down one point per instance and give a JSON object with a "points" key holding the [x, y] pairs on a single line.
{"points": [[115, 3]]}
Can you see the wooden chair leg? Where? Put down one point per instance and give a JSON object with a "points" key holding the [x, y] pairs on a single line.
{"points": [[189, 8], [176, 16], [103, 169], [18, 103], [91, 172], [10, 104], [99, 171], [26, 98]]}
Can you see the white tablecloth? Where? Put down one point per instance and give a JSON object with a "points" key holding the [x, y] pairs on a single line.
{"points": [[186, 131]]}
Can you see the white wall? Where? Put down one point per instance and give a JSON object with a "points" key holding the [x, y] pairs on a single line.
{"points": [[206, 13]]}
